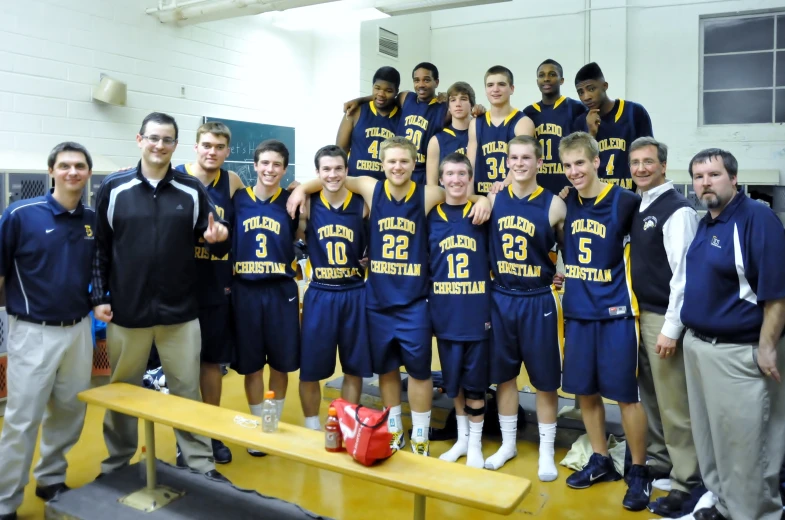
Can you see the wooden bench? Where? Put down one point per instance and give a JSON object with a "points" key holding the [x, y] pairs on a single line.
{"points": [[426, 477]]}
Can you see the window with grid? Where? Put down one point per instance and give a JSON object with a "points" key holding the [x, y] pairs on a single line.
{"points": [[743, 69]]}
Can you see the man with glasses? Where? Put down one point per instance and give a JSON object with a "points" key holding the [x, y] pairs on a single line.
{"points": [[662, 231], [149, 219]]}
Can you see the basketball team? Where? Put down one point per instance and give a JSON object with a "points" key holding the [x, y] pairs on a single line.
{"points": [[430, 216]]}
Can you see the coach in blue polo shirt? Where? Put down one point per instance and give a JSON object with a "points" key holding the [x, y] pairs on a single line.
{"points": [[46, 247], [734, 309]]}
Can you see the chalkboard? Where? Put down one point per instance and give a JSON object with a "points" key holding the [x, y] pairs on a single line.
{"points": [[245, 137]]}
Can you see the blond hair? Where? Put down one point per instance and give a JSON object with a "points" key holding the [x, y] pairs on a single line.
{"points": [[216, 128], [528, 140], [398, 142], [580, 141]]}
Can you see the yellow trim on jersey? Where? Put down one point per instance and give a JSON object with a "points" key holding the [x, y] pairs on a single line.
{"points": [[509, 189], [603, 193], [488, 117], [393, 112], [449, 132], [559, 320], [637, 341], [324, 200], [346, 202], [434, 100], [251, 194], [440, 211], [412, 187], [536, 193], [559, 102], [277, 193], [507, 119], [189, 171], [215, 182], [467, 208], [308, 269], [536, 107], [373, 108], [628, 280], [618, 112]]}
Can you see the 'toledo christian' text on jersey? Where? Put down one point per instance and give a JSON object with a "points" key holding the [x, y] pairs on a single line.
{"points": [[460, 274], [336, 242], [419, 121], [398, 248], [263, 236], [452, 141], [626, 122], [371, 129], [521, 241], [214, 273], [597, 255], [490, 163], [551, 123]]}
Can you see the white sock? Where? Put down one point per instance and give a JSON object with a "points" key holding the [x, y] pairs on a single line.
{"points": [[421, 423], [256, 409], [546, 469], [279, 407], [509, 427], [474, 458], [313, 423], [394, 419], [461, 446]]}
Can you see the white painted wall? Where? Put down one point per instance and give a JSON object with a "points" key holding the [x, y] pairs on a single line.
{"points": [[52, 51], [648, 50]]}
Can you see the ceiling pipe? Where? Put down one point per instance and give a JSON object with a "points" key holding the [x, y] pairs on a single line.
{"points": [[191, 11]]}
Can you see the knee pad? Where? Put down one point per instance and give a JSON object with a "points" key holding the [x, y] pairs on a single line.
{"points": [[473, 395], [474, 411]]}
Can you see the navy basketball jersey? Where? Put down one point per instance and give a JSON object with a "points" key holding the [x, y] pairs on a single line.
{"points": [[521, 241], [215, 273], [452, 141], [336, 241], [626, 122], [420, 120], [490, 164], [371, 129], [263, 236], [398, 248], [551, 123], [597, 255], [460, 274]]}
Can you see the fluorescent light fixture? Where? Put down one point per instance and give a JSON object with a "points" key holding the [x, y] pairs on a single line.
{"points": [[402, 7], [194, 11]]}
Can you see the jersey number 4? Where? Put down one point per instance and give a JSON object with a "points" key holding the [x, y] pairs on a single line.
{"points": [[394, 247], [609, 166], [496, 167]]}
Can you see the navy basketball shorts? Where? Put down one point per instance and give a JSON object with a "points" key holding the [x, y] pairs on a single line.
{"points": [[464, 365], [401, 336], [217, 325], [267, 325], [527, 329], [334, 319], [602, 357]]}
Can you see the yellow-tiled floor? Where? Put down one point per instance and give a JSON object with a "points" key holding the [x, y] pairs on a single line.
{"points": [[348, 498]]}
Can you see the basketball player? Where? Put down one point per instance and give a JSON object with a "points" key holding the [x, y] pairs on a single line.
{"points": [[361, 132], [554, 117], [601, 350], [460, 305], [334, 306], [264, 295], [397, 287], [215, 273], [615, 124], [422, 114], [526, 315], [455, 136], [488, 135]]}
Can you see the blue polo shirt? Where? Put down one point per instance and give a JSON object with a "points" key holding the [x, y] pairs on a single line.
{"points": [[45, 257], [734, 265]]}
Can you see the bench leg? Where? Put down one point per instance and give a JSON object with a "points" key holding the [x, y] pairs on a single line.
{"points": [[419, 507], [149, 440]]}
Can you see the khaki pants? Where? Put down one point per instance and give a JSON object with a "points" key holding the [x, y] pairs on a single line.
{"points": [[47, 367], [738, 421], [663, 389], [179, 347]]}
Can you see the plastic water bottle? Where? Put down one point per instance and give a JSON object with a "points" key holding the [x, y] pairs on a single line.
{"points": [[269, 413]]}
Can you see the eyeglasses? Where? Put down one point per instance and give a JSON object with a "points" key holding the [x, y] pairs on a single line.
{"points": [[647, 163], [155, 139]]}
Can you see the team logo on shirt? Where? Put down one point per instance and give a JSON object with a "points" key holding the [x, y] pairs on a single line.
{"points": [[649, 223], [88, 231], [716, 242]]}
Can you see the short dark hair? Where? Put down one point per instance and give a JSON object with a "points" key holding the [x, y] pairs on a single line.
{"points": [[272, 145], [728, 160], [500, 69], [641, 142], [555, 63], [161, 119], [330, 151], [429, 66], [388, 74], [68, 146], [456, 158], [590, 71], [461, 87]]}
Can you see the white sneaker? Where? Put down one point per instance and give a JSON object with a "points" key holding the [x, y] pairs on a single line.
{"points": [[398, 440]]}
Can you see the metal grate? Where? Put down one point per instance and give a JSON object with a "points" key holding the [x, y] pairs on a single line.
{"points": [[3, 378], [27, 185], [388, 43], [101, 365], [32, 189]]}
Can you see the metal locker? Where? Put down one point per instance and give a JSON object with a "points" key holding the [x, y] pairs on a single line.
{"points": [[27, 185], [95, 182]]}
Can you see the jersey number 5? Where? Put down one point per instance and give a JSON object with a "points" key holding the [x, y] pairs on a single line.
{"points": [[395, 247], [584, 256]]}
